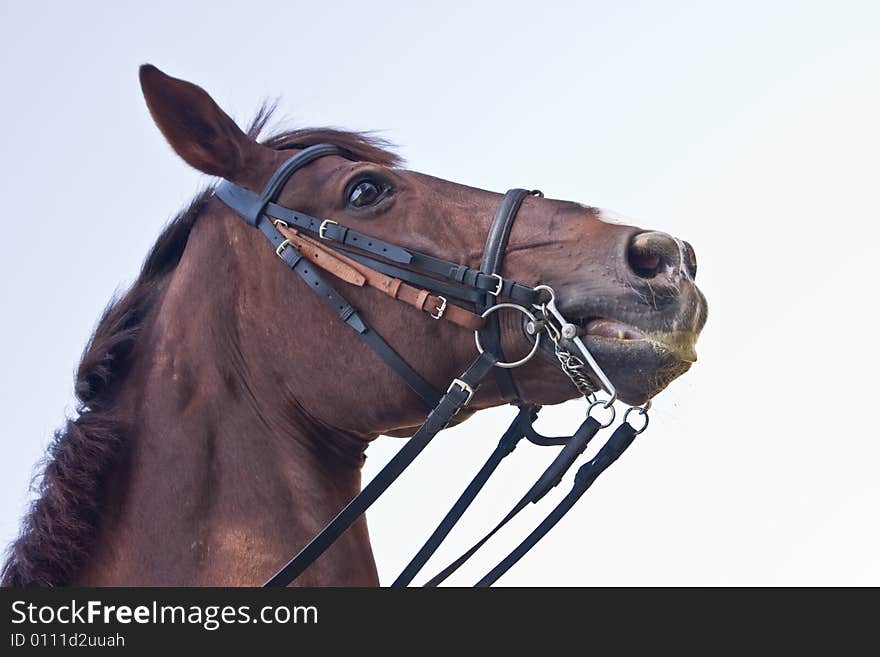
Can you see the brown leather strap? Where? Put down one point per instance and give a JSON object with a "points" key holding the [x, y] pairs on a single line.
{"points": [[357, 274], [323, 258]]}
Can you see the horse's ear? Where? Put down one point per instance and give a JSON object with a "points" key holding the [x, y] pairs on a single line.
{"points": [[195, 126]]}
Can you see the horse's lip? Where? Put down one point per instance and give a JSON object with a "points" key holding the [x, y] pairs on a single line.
{"points": [[680, 344], [611, 329]]}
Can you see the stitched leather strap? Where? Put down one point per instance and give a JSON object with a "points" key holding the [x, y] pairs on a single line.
{"points": [[622, 438], [324, 258], [455, 398]]}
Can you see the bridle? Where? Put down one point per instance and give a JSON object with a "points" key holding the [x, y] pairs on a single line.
{"points": [[309, 245]]}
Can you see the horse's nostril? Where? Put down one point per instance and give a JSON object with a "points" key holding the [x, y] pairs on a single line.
{"points": [[645, 264], [652, 253]]}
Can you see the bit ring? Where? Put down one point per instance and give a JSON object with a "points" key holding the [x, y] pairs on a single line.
{"points": [[524, 311]]}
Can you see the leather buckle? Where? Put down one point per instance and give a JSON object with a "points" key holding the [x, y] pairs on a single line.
{"points": [[322, 229], [440, 309], [464, 388], [497, 291], [280, 250]]}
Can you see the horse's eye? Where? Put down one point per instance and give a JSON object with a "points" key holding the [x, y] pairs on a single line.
{"points": [[365, 193]]}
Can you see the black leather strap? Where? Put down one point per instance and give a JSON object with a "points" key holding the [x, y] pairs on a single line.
{"points": [[622, 438], [455, 398], [499, 230], [292, 165], [252, 206], [564, 460], [549, 478], [333, 232], [544, 441], [493, 255], [244, 201], [506, 445], [520, 293]]}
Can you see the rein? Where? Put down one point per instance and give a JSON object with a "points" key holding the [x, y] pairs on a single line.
{"points": [[310, 245]]}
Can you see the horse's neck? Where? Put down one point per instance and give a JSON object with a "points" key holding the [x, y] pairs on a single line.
{"points": [[225, 477]]}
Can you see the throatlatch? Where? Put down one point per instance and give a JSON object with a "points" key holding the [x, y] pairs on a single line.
{"points": [[431, 285]]}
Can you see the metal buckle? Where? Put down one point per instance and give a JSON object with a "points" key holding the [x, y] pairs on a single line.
{"points": [[497, 291], [322, 229], [276, 222], [465, 388], [440, 309], [280, 250]]}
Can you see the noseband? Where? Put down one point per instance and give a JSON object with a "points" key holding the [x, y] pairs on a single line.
{"points": [[309, 245]]}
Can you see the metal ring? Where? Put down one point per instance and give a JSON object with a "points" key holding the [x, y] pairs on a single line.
{"points": [[524, 311], [601, 402], [643, 410]]}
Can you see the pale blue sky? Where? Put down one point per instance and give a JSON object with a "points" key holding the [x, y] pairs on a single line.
{"points": [[748, 128]]}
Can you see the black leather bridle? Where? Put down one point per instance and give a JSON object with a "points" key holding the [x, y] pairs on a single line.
{"points": [[483, 288]]}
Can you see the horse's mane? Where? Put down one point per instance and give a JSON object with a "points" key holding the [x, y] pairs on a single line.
{"points": [[61, 526]]}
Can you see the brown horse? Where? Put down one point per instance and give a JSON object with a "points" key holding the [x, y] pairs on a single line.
{"points": [[224, 410]]}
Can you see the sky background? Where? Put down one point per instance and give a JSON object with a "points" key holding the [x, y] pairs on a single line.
{"points": [[748, 128]]}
